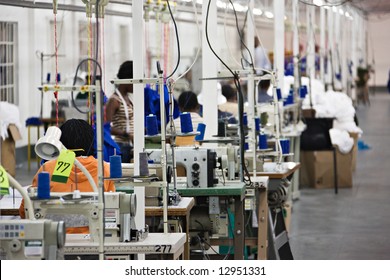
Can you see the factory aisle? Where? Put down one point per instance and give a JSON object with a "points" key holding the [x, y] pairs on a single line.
{"points": [[354, 224]]}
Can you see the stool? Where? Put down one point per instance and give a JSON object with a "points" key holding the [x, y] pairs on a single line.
{"points": [[31, 123]]}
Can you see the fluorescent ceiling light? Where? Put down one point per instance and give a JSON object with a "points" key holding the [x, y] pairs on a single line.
{"points": [[268, 14], [318, 3], [221, 4], [257, 12]]}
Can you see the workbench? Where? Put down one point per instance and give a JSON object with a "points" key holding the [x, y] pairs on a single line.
{"points": [[235, 190], [182, 209], [171, 244]]}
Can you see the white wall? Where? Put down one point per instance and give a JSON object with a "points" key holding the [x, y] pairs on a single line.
{"points": [[379, 43], [35, 35]]}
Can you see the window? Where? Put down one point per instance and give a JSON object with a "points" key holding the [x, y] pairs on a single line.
{"points": [[8, 50]]}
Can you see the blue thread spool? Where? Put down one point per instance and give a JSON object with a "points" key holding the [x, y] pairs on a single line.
{"points": [[44, 185], [245, 119], [279, 93], [285, 144], [151, 125], [58, 77], [48, 78], [302, 93], [246, 146], [305, 89], [186, 122], [263, 142], [201, 128], [257, 124], [115, 166]]}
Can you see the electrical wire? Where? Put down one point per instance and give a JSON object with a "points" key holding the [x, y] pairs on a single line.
{"points": [[199, 41], [177, 41], [244, 171], [56, 61], [75, 79], [227, 44], [241, 39]]}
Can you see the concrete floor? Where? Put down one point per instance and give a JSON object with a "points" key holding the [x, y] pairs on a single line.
{"points": [[355, 223]]}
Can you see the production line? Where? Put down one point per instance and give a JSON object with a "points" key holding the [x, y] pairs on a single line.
{"points": [[216, 187], [211, 176]]}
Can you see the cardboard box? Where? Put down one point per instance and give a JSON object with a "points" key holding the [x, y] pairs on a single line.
{"points": [[355, 137], [8, 157], [317, 169]]}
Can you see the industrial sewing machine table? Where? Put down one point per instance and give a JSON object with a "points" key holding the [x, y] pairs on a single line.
{"points": [[155, 243]]}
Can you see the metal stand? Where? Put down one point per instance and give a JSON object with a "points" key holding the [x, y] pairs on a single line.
{"points": [[278, 245]]}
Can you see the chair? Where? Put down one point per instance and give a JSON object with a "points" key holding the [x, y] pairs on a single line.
{"points": [[316, 138]]}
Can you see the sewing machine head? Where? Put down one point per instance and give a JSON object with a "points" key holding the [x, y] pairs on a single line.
{"points": [[83, 212], [31, 240], [199, 164]]}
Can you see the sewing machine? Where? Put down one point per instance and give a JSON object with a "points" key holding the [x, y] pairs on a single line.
{"points": [[120, 210], [31, 240], [199, 164], [228, 159]]}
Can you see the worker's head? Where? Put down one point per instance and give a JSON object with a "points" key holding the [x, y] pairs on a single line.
{"points": [[229, 92], [257, 42], [264, 84], [188, 102], [78, 135], [126, 72]]}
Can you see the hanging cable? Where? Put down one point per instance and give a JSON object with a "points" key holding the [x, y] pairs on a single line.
{"points": [[241, 39], [244, 172], [56, 60], [227, 44], [199, 41], [177, 41]]}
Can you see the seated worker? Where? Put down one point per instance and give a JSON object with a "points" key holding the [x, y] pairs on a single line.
{"points": [[263, 96], [76, 135], [231, 105], [120, 114], [188, 102]]}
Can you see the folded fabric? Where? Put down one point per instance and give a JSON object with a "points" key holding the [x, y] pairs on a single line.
{"points": [[342, 139]]}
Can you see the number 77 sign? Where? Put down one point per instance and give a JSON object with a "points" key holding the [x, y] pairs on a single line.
{"points": [[63, 166]]}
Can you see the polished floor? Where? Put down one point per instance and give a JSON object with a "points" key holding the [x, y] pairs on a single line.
{"points": [[355, 223]]}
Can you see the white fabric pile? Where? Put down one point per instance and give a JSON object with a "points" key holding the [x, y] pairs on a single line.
{"points": [[331, 104], [342, 139], [9, 114]]}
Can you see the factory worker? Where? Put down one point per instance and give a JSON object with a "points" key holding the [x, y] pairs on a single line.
{"points": [[76, 135], [263, 96], [188, 102], [119, 112]]}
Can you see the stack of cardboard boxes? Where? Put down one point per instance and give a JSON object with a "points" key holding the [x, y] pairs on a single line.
{"points": [[317, 167], [8, 157]]}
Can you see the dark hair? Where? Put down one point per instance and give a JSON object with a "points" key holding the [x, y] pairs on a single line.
{"points": [[188, 101], [125, 70], [264, 84], [229, 92], [78, 134]]}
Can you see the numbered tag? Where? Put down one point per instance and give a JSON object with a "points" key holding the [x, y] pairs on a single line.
{"points": [[4, 184], [63, 166]]}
